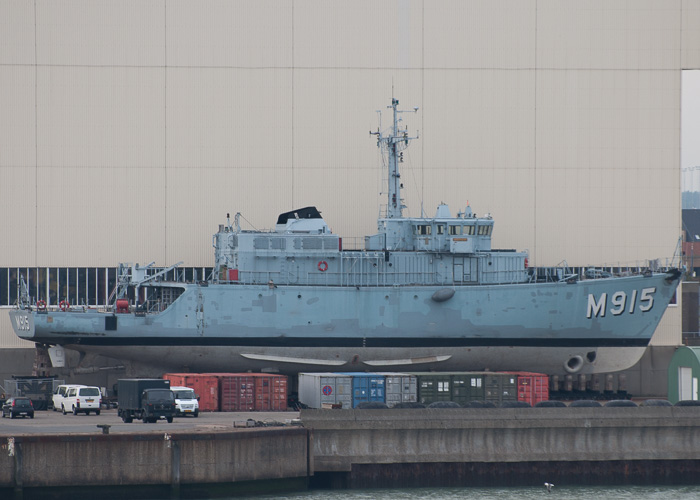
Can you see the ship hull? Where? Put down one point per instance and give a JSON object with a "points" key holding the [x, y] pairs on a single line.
{"points": [[290, 361], [588, 326]]}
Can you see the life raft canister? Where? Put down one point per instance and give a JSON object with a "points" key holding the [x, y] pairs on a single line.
{"points": [[41, 305], [323, 266]]}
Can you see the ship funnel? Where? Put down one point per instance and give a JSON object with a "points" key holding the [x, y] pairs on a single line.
{"points": [[443, 212]]}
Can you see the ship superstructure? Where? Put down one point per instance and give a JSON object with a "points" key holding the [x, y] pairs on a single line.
{"points": [[423, 293]]}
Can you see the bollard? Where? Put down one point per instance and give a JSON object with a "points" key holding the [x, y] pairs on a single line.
{"points": [[104, 427]]}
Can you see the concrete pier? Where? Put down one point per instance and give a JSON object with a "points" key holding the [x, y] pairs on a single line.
{"points": [[424, 447], [150, 465]]}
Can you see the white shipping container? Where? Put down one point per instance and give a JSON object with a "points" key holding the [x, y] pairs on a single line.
{"points": [[319, 389], [400, 388]]}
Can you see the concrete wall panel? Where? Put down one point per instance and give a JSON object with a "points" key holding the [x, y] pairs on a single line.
{"points": [[18, 205], [100, 117], [500, 34], [602, 34], [18, 129], [100, 217], [229, 118], [219, 33], [17, 30], [360, 35], [690, 34], [100, 33], [621, 144]]}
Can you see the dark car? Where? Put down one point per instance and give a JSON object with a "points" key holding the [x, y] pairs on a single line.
{"points": [[14, 407]]}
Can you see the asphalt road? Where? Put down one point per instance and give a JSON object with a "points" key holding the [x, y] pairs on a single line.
{"points": [[50, 422]]}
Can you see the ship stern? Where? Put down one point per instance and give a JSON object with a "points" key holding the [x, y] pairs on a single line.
{"points": [[23, 323]]}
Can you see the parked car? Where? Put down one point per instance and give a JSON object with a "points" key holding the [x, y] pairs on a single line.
{"points": [[82, 400], [14, 407], [60, 394]]}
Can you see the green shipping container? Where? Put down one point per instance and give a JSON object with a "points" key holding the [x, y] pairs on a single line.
{"points": [[500, 387], [460, 387]]}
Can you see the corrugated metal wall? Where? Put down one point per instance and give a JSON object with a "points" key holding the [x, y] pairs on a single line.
{"points": [[131, 128]]}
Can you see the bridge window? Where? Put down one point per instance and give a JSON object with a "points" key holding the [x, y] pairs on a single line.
{"points": [[423, 229], [454, 230], [485, 230], [468, 229], [441, 229]]}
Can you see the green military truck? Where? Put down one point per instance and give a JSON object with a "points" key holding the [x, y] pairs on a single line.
{"points": [[147, 399]]}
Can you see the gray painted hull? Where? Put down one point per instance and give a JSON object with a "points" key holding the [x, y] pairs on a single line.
{"points": [[605, 324]]}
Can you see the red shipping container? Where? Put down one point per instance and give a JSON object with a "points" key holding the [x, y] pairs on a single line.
{"points": [[205, 386], [252, 391], [532, 387], [236, 391], [270, 392]]}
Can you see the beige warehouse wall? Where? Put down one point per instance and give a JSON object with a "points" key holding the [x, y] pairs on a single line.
{"points": [[130, 129]]}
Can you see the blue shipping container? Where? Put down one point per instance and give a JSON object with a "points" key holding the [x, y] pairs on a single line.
{"points": [[367, 387]]}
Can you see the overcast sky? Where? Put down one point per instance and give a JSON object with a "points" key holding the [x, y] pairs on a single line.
{"points": [[690, 129]]}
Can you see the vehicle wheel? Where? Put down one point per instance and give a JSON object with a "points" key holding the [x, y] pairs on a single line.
{"points": [[63, 409], [196, 414], [12, 415], [170, 420], [75, 411], [31, 416], [127, 420], [97, 412]]}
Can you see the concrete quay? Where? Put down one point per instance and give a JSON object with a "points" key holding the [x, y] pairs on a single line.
{"points": [[209, 457], [454, 447], [148, 461]]}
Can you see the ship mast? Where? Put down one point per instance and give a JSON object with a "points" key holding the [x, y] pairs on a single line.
{"points": [[394, 143]]}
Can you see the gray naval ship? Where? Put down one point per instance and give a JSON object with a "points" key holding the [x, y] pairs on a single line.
{"points": [[425, 293]]}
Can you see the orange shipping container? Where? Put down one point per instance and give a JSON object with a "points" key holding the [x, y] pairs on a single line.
{"points": [[205, 386], [270, 392]]}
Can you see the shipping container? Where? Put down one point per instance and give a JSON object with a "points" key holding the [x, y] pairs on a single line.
{"points": [[459, 387], [532, 387], [205, 386], [325, 390], [270, 392], [366, 387], [434, 386], [400, 388], [236, 391], [500, 387], [467, 387]]}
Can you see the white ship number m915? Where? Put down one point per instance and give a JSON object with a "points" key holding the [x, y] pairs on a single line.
{"points": [[619, 303]]}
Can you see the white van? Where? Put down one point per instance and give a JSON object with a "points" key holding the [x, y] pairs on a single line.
{"points": [[60, 394], [185, 401], [82, 400]]}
